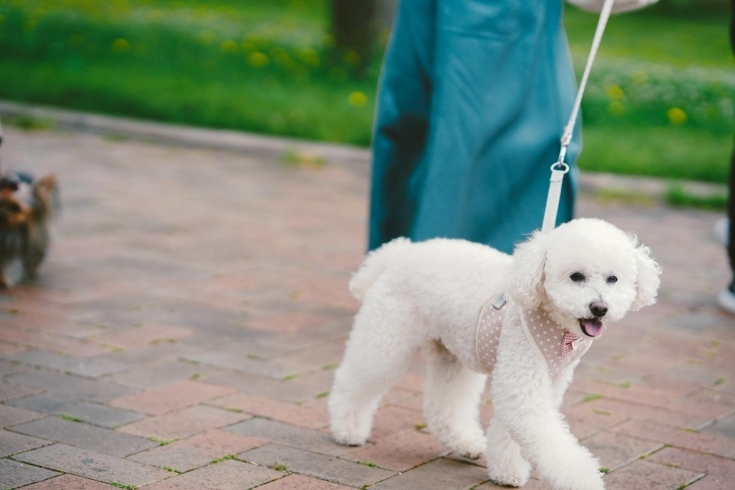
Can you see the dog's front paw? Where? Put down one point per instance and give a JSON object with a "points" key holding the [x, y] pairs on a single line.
{"points": [[472, 449], [348, 439], [578, 471], [509, 471]]}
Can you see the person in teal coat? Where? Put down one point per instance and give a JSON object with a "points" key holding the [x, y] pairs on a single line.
{"points": [[473, 98]]}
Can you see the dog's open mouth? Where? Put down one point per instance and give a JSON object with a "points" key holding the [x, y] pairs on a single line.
{"points": [[592, 327]]}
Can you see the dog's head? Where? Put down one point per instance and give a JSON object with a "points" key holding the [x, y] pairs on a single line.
{"points": [[24, 202], [584, 273]]}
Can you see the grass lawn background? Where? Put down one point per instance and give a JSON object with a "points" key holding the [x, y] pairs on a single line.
{"points": [[660, 99]]}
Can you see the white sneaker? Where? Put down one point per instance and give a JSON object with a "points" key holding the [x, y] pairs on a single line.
{"points": [[722, 231], [726, 300]]}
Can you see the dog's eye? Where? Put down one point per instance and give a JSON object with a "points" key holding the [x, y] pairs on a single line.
{"points": [[577, 277], [612, 280]]}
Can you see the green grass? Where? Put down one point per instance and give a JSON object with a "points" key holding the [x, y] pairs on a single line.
{"points": [[71, 418], [676, 195], [668, 152], [659, 101]]}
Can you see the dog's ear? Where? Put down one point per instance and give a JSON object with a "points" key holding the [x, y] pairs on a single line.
{"points": [[648, 278], [46, 191], [526, 276]]}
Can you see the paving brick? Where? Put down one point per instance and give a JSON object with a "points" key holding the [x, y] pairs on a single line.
{"points": [[239, 362], [637, 411], [144, 377], [253, 384], [183, 423], [585, 419], [710, 403], [198, 450], [153, 353], [229, 475], [401, 451], [9, 367], [714, 444], [695, 461], [93, 368], [10, 348], [243, 345], [69, 482], [442, 473], [316, 465], [13, 415], [644, 475], [51, 342], [14, 474], [303, 415], [11, 443], [392, 419], [136, 337], [71, 385], [85, 436], [314, 357], [712, 482], [55, 324], [165, 398], [724, 427], [289, 435], [89, 412], [532, 484], [614, 450], [299, 482], [92, 465], [12, 390]]}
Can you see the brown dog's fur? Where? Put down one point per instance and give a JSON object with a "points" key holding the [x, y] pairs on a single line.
{"points": [[25, 215]]}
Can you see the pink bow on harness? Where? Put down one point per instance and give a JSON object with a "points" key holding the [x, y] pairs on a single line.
{"points": [[568, 343]]}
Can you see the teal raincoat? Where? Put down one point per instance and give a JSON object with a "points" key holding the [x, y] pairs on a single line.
{"points": [[473, 98]]}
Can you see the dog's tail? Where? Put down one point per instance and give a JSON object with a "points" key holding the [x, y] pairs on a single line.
{"points": [[373, 266]]}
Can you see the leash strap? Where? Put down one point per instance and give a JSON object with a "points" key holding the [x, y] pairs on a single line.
{"points": [[560, 168]]}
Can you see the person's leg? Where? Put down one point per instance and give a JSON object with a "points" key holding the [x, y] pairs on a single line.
{"points": [[401, 120], [726, 298], [731, 216]]}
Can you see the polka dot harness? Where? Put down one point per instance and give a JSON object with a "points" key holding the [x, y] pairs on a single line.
{"points": [[556, 348]]}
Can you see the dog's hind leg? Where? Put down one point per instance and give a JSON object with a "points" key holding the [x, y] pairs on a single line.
{"points": [[451, 401], [505, 465], [378, 353]]}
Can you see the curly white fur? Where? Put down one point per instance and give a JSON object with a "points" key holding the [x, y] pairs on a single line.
{"points": [[428, 295]]}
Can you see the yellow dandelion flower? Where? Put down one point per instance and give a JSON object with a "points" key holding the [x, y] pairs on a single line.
{"points": [[229, 46], [639, 77], [616, 108], [614, 92], [309, 57], [120, 46], [357, 99], [258, 59], [676, 116], [351, 58], [206, 37]]}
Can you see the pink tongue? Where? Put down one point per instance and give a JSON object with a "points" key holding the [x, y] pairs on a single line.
{"points": [[593, 326]]}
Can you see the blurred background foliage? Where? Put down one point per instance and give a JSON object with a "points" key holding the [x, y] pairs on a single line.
{"points": [[660, 100]]}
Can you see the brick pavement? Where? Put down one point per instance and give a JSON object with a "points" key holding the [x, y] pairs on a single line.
{"points": [[184, 332]]}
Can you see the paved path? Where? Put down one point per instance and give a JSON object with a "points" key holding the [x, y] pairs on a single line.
{"points": [[184, 332]]}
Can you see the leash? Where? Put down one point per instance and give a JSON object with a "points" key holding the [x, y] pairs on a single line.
{"points": [[560, 168]]}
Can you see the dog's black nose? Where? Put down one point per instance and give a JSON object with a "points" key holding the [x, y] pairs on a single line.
{"points": [[598, 308]]}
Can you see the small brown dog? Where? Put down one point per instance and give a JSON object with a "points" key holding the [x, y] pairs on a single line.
{"points": [[26, 209]]}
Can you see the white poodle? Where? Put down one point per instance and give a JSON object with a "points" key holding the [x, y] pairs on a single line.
{"points": [[437, 295]]}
